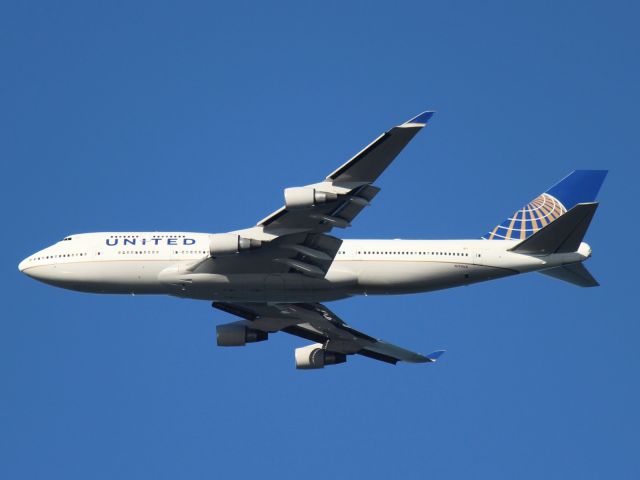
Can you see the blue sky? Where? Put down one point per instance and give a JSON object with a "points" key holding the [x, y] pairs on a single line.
{"points": [[194, 116]]}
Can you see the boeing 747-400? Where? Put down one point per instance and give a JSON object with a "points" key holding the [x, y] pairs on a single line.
{"points": [[274, 275]]}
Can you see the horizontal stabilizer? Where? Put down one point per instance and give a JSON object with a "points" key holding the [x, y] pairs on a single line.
{"points": [[575, 273], [563, 235]]}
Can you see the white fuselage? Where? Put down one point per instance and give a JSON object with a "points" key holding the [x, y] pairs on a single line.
{"points": [[176, 264]]}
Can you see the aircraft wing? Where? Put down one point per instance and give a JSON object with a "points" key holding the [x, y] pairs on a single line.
{"points": [[295, 238], [337, 200], [315, 322]]}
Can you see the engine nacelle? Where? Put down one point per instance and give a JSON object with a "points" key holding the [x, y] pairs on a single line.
{"points": [[301, 197], [314, 356], [237, 335], [230, 243]]}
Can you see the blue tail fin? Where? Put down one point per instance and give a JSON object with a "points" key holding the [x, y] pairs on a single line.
{"points": [[579, 186]]}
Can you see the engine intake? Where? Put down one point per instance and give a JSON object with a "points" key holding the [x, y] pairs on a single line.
{"points": [[314, 357], [301, 197], [229, 243], [237, 335]]}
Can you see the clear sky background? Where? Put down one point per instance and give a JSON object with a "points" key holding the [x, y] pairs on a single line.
{"points": [[194, 116]]}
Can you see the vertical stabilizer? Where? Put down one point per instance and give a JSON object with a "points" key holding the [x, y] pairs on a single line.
{"points": [[580, 186], [563, 235]]}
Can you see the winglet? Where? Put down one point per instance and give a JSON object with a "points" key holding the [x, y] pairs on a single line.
{"points": [[434, 356], [419, 120], [367, 165]]}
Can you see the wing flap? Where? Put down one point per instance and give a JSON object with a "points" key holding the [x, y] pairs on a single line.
{"points": [[310, 254], [314, 219]]}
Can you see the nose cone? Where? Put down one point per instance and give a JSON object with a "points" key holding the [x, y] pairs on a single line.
{"points": [[31, 268], [23, 265], [49, 274], [26, 266]]}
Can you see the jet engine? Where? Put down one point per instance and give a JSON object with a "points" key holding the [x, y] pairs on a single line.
{"points": [[314, 356], [301, 197], [230, 243], [236, 334]]}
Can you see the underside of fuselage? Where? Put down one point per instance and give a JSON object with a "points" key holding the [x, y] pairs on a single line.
{"points": [[345, 279]]}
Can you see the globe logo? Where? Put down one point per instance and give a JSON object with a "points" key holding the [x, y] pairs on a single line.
{"points": [[529, 219]]}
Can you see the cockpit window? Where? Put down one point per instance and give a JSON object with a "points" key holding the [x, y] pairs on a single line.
{"points": [[66, 238]]}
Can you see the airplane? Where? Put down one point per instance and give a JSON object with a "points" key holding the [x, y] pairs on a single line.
{"points": [[273, 276]]}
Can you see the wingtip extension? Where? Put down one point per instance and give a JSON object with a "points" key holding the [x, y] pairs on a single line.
{"points": [[434, 356], [420, 119]]}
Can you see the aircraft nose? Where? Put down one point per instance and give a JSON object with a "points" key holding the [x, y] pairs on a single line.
{"points": [[22, 265], [44, 273]]}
